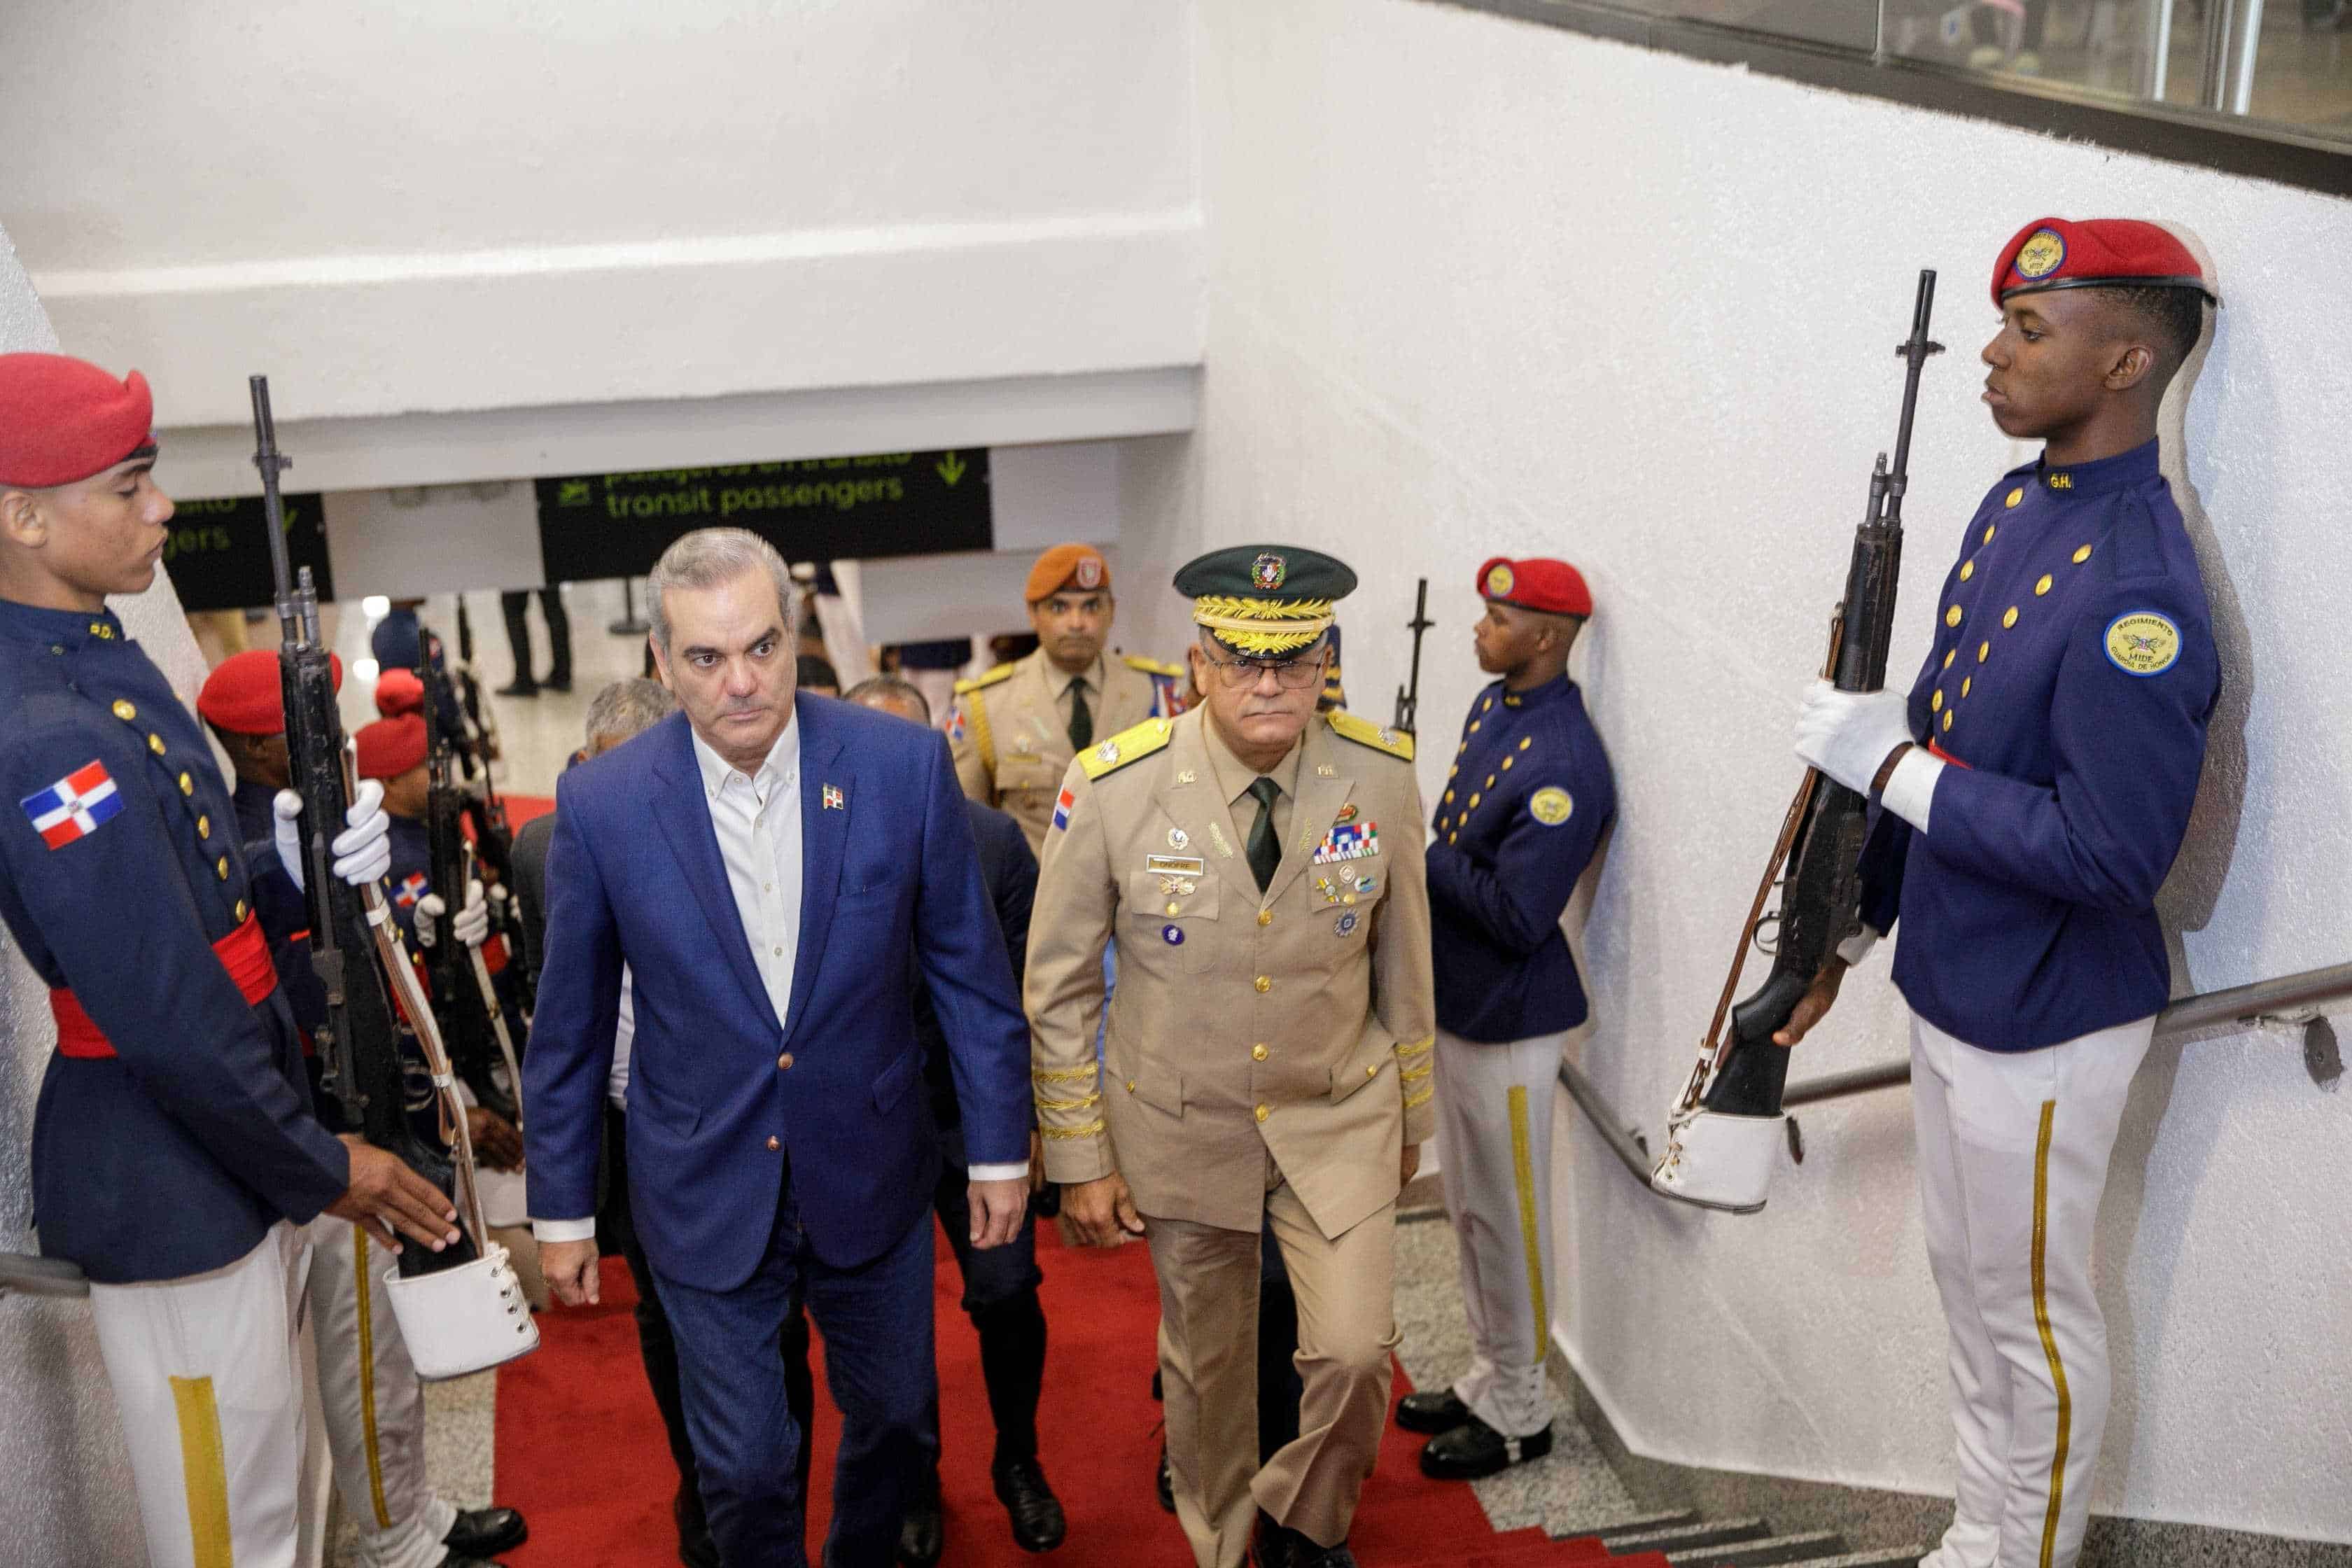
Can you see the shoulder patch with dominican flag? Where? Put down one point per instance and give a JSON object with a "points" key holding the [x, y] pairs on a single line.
{"points": [[74, 806], [1061, 804], [956, 730], [411, 888]]}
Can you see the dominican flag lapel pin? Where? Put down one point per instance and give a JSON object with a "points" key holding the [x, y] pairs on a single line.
{"points": [[411, 888], [833, 799], [74, 806]]}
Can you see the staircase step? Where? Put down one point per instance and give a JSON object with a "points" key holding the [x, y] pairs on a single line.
{"points": [[1808, 1548], [1615, 1528], [1543, 1553], [1877, 1557], [1683, 1537]]}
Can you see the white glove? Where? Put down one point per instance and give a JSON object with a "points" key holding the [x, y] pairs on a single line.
{"points": [[1848, 734], [362, 850], [472, 924]]}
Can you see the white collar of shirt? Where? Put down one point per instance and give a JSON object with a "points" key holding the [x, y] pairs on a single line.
{"points": [[782, 763]]}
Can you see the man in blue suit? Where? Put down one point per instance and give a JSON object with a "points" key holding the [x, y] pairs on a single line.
{"points": [[771, 872]]}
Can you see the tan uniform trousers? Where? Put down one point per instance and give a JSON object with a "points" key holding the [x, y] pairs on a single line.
{"points": [[1208, 1362]]}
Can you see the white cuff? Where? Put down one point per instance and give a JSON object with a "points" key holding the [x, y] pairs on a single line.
{"points": [[1856, 948], [1910, 790], [1019, 1173], [551, 1230]]}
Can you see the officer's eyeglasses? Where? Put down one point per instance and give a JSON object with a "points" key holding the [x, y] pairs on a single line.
{"points": [[1293, 674]]}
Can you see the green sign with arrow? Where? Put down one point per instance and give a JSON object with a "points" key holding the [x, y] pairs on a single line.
{"points": [[810, 509]]}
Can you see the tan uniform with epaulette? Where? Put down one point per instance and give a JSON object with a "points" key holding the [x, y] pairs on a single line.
{"points": [[1267, 1057], [1011, 730]]}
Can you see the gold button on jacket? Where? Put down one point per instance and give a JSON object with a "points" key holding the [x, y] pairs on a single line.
{"points": [[1346, 987]]}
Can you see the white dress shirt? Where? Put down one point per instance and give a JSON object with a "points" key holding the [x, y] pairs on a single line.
{"points": [[757, 820]]}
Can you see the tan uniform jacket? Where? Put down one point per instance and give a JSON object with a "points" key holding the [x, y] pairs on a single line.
{"points": [[1298, 1022], [1012, 737]]}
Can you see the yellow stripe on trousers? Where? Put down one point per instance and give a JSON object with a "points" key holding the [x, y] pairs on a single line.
{"points": [[1523, 1170], [367, 1377], [2042, 1322], [205, 1471]]}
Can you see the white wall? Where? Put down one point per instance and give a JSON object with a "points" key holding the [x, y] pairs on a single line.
{"points": [[60, 1440], [435, 205], [1478, 287]]}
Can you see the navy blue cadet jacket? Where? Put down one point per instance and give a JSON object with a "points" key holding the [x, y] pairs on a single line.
{"points": [[2069, 682], [175, 1156], [1524, 806]]}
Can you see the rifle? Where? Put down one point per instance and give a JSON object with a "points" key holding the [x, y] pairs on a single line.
{"points": [[476, 796], [1407, 701], [463, 995], [1723, 1127], [359, 1041]]}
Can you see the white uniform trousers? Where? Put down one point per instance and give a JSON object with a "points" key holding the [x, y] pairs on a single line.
{"points": [[207, 1373], [374, 1403], [1493, 1130], [2013, 1152]]}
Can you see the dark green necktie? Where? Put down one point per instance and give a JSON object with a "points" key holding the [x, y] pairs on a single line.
{"points": [[1081, 724], [1265, 846]]}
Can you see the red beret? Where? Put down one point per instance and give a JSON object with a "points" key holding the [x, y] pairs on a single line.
{"points": [[1535, 584], [243, 696], [390, 747], [2094, 253], [63, 419], [398, 691], [1067, 566]]}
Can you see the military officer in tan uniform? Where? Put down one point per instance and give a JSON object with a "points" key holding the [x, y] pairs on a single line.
{"points": [[1014, 729], [1267, 1062]]}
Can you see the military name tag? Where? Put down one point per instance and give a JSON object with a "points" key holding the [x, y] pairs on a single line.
{"points": [[1175, 865]]}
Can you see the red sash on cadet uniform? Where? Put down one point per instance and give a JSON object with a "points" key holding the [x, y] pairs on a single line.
{"points": [[243, 952]]}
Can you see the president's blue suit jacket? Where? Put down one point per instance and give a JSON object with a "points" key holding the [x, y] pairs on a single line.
{"points": [[891, 886]]}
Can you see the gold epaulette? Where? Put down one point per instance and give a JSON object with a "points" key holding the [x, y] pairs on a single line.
{"points": [[986, 678], [1152, 666], [1129, 745], [1364, 732]]}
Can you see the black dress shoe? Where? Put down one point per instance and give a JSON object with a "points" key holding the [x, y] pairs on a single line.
{"points": [[695, 1547], [458, 1560], [1037, 1513], [486, 1532], [1473, 1450], [1277, 1546], [522, 686], [1166, 1484], [561, 682], [923, 1530], [1433, 1411]]}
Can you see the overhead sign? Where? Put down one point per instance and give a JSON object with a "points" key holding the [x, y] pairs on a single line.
{"points": [[218, 551], [810, 508]]}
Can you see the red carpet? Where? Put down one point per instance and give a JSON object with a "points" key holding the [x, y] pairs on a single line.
{"points": [[581, 1452], [522, 808]]}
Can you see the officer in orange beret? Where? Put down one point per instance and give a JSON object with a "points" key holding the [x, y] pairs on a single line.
{"points": [[175, 1150], [1014, 729], [1526, 800], [2034, 784]]}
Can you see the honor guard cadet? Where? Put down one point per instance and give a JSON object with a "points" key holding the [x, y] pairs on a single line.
{"points": [[368, 1388], [1525, 803], [1014, 729], [1268, 1065], [393, 752], [174, 1151], [2034, 786]]}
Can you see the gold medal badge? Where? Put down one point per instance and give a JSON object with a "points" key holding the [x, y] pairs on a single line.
{"points": [[2042, 255], [1550, 805], [1499, 582], [2143, 643]]}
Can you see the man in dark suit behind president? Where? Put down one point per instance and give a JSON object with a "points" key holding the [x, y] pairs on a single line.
{"points": [[1000, 1285], [771, 872]]}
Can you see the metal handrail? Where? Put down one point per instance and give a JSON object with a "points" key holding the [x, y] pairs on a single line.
{"points": [[30, 1276], [2289, 994]]}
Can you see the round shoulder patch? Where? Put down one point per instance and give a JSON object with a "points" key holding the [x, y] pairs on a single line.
{"points": [[2142, 642], [1550, 805], [1499, 582], [2042, 255]]}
